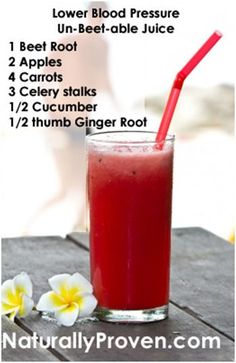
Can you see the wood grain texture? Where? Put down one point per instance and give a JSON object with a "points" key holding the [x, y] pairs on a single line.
{"points": [[179, 323], [26, 355], [202, 275], [43, 257]]}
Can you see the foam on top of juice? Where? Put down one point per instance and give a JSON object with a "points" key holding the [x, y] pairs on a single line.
{"points": [[127, 142]]}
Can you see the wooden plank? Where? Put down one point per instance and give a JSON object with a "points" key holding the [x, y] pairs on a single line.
{"points": [[81, 238], [44, 257], [10, 354], [35, 255], [179, 324], [202, 279], [41, 258]]}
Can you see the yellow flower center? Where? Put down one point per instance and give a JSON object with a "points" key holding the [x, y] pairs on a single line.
{"points": [[14, 299], [69, 295]]}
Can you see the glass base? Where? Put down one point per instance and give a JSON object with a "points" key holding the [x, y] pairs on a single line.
{"points": [[132, 316]]}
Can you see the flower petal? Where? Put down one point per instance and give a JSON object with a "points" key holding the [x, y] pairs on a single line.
{"points": [[67, 316], [59, 284], [50, 302], [7, 309], [79, 285], [23, 284], [87, 304], [26, 306], [8, 293]]}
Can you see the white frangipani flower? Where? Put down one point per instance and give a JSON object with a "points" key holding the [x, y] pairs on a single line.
{"points": [[71, 297], [16, 296]]}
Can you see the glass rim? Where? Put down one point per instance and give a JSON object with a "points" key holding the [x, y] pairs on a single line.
{"points": [[93, 138]]}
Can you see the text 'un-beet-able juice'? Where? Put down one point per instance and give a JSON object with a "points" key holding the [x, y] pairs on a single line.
{"points": [[130, 195]]}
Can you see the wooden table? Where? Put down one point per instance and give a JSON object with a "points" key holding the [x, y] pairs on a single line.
{"points": [[202, 298]]}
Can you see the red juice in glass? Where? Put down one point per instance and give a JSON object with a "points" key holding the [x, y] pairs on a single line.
{"points": [[130, 194]]}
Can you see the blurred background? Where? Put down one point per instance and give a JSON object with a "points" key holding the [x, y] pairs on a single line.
{"points": [[43, 182]]}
